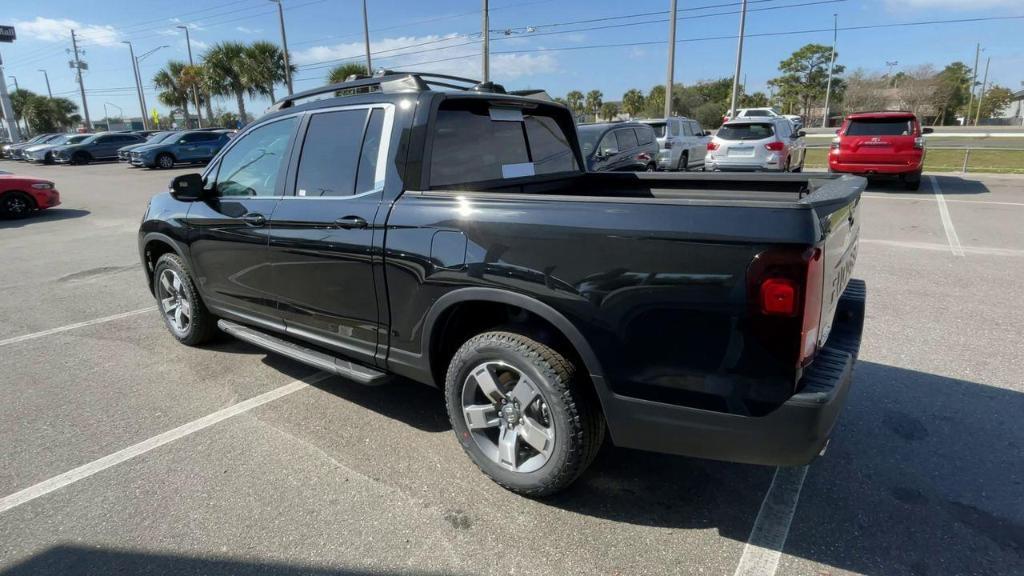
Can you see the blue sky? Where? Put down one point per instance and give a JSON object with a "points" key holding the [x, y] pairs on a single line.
{"points": [[540, 50]]}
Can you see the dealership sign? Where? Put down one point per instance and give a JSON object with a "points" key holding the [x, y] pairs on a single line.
{"points": [[7, 34]]}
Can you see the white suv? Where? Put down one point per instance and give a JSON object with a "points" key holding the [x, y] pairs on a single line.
{"points": [[795, 120], [749, 144], [682, 142]]}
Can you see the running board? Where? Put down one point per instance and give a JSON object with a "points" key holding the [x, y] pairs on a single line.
{"points": [[345, 368]]}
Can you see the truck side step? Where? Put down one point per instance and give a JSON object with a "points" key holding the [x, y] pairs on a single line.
{"points": [[326, 362]]}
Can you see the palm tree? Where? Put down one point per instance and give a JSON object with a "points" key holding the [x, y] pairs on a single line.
{"points": [[264, 66], [633, 102], [174, 91], [575, 100], [51, 114], [21, 101], [609, 110], [339, 73], [594, 102], [225, 73], [192, 80]]}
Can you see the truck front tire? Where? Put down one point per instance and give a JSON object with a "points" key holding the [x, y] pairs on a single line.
{"points": [[178, 302], [522, 413]]}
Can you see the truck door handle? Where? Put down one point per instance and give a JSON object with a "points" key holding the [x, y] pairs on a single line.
{"points": [[254, 219], [350, 222]]}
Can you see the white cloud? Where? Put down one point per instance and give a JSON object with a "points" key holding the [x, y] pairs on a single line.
{"points": [[53, 30], [168, 32], [199, 44], [245, 30], [445, 54]]}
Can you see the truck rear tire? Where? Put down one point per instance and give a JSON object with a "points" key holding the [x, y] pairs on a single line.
{"points": [[521, 412]]}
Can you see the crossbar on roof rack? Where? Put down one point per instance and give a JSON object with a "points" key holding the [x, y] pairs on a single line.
{"points": [[391, 81]]}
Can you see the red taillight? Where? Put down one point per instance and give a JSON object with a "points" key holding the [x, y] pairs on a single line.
{"points": [[812, 307], [778, 297], [775, 146], [712, 145]]}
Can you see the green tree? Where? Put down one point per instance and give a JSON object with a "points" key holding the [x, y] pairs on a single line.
{"points": [[654, 106], [594, 101], [805, 76], [574, 98], [52, 114], [341, 72], [709, 114], [755, 100], [995, 99], [609, 110], [224, 68], [633, 102], [952, 92], [264, 66], [174, 92], [21, 102]]}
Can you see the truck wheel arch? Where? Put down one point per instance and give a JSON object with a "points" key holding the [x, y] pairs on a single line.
{"points": [[435, 320], [156, 245]]}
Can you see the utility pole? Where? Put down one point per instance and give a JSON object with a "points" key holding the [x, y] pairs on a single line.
{"points": [[284, 46], [981, 96], [487, 42], [78, 65], [831, 65], [138, 84], [47, 76], [366, 38], [974, 80], [195, 91], [739, 60], [5, 101], [670, 80]]}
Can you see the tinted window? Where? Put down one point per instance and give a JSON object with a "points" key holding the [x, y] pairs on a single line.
{"points": [[695, 126], [105, 139], [881, 127], [659, 128], [626, 139], [757, 113], [549, 148], [367, 176], [745, 131], [784, 129], [687, 131], [470, 147], [254, 163], [588, 136], [609, 144], [330, 154], [201, 137], [644, 135]]}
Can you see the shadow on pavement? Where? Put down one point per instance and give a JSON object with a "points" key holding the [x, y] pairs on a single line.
{"points": [[48, 215], [68, 560], [949, 185]]}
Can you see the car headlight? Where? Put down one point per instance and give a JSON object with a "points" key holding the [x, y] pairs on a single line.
{"points": [[43, 185]]}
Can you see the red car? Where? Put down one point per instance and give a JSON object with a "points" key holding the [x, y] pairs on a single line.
{"points": [[880, 143], [21, 195]]}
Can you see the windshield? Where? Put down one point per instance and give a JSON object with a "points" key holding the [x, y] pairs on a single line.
{"points": [[589, 135], [752, 131], [159, 137], [881, 127]]}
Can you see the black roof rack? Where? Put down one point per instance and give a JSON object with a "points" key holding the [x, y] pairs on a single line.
{"points": [[392, 81]]}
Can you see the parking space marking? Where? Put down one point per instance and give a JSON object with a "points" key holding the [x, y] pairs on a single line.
{"points": [[882, 197], [947, 222], [980, 250], [767, 538], [71, 476], [60, 329]]}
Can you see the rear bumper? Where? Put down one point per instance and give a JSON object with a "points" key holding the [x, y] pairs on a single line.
{"points": [[863, 168], [791, 435], [769, 162]]}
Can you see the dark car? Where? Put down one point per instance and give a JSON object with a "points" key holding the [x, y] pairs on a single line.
{"points": [[102, 146], [191, 147], [454, 238], [43, 152], [619, 147], [123, 153]]}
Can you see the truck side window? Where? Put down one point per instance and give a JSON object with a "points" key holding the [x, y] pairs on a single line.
{"points": [[470, 147], [330, 153], [366, 179], [548, 145], [252, 166]]}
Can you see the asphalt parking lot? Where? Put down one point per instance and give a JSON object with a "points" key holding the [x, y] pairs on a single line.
{"points": [[924, 474]]}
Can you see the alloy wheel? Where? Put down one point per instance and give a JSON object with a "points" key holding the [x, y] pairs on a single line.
{"points": [[174, 301], [508, 417], [16, 206]]}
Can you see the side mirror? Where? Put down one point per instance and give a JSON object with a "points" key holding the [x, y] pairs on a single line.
{"points": [[187, 187], [927, 130]]}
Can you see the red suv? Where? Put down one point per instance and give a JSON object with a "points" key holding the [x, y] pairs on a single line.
{"points": [[21, 195], [873, 143]]}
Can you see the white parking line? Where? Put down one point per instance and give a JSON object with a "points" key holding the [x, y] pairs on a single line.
{"points": [[947, 222], [935, 247], [763, 550], [92, 322], [86, 470]]}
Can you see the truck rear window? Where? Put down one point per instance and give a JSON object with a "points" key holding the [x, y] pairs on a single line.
{"points": [[881, 127], [472, 144], [746, 131]]}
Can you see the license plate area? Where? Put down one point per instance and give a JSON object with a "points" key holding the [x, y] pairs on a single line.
{"points": [[741, 151]]}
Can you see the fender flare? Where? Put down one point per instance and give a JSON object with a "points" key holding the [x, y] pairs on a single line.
{"points": [[559, 321], [148, 237]]}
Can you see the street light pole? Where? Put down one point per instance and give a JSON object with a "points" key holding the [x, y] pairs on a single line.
{"points": [[981, 95], [47, 76], [138, 74], [366, 39], [670, 79], [195, 91], [739, 60], [138, 83], [81, 83], [831, 65], [23, 118], [487, 42], [284, 46]]}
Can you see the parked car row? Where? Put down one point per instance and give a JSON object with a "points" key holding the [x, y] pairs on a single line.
{"points": [[152, 149], [796, 121]]}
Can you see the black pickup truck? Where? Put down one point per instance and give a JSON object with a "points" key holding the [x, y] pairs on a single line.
{"points": [[445, 231]]}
